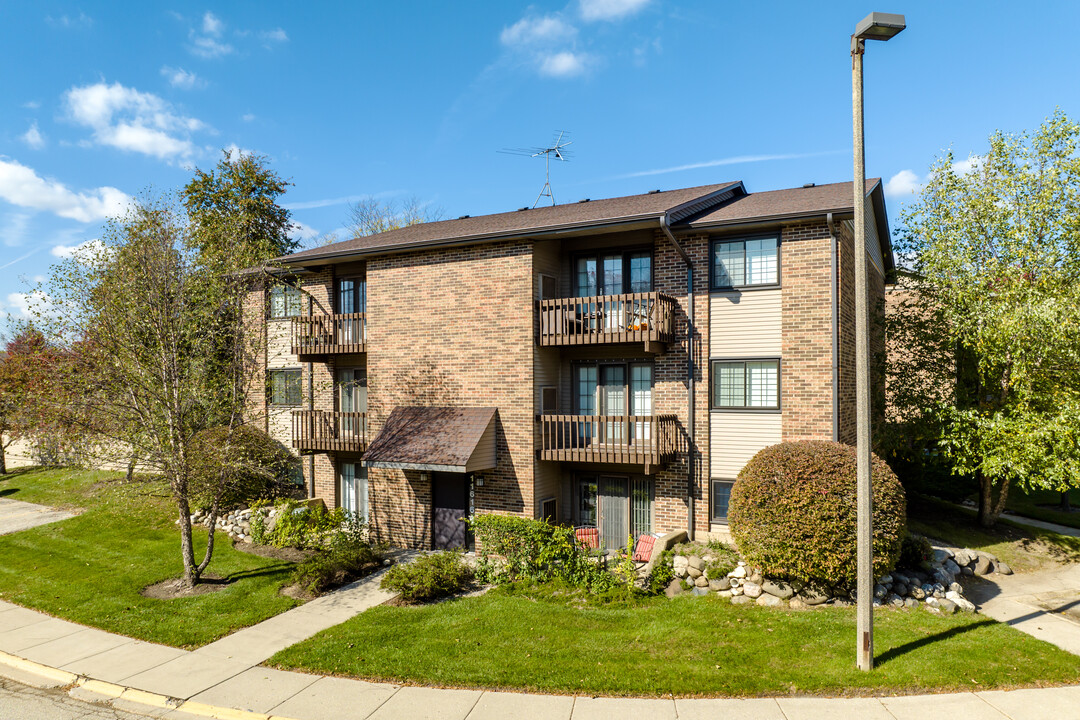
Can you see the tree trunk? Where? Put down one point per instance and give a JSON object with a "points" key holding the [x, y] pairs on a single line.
{"points": [[210, 538], [131, 467], [3, 459], [187, 551], [1064, 505], [989, 508]]}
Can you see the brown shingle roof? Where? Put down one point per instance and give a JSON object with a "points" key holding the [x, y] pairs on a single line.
{"points": [[595, 212], [433, 438], [794, 202]]}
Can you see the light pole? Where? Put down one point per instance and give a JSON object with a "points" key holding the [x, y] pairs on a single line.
{"points": [[875, 26]]}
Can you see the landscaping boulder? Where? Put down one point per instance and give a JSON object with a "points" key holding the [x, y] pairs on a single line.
{"points": [[983, 566], [777, 589], [1003, 568], [701, 581], [719, 585], [812, 597], [768, 600], [696, 562], [674, 588], [740, 600], [752, 589]]}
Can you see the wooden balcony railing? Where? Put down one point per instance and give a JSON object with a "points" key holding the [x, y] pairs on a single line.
{"points": [[647, 318], [329, 431], [329, 334], [646, 440]]}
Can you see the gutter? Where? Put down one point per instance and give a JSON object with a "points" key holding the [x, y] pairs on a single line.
{"points": [[690, 484], [834, 275]]}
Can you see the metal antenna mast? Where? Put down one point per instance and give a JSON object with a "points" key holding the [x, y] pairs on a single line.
{"points": [[558, 149]]}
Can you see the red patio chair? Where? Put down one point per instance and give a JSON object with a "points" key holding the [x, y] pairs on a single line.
{"points": [[643, 549], [589, 537]]}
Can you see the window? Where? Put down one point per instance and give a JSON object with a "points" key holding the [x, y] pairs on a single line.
{"points": [[746, 263], [284, 301], [613, 273], [285, 387], [353, 489], [721, 495], [752, 384]]}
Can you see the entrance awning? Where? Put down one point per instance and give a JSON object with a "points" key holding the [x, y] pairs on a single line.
{"points": [[437, 439]]}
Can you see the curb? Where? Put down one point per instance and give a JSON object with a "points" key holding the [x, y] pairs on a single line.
{"points": [[122, 692]]}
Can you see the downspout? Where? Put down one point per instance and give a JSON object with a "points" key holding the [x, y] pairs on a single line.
{"points": [[690, 477], [834, 275]]}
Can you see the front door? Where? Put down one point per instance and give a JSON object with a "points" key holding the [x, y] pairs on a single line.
{"points": [[450, 506]]}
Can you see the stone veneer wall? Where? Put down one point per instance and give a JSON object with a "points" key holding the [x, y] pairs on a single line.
{"points": [[452, 327]]}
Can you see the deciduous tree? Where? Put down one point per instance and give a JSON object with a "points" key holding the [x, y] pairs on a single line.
{"points": [[986, 350]]}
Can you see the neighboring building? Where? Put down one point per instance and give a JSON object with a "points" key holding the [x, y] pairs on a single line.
{"points": [[535, 362]]}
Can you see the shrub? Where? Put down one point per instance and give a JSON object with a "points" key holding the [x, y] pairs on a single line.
{"points": [[429, 577], [538, 551], [914, 551], [662, 574], [345, 556], [238, 465], [309, 526], [793, 513]]}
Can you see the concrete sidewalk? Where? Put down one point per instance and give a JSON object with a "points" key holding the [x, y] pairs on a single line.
{"points": [[222, 680], [1044, 604], [16, 515], [1041, 524]]}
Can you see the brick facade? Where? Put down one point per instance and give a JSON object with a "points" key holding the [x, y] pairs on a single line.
{"points": [[456, 326]]}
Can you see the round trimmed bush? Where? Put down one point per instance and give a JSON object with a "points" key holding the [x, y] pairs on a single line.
{"points": [[238, 465], [793, 513]]}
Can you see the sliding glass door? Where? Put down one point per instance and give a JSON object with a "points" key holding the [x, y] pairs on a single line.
{"points": [[619, 506], [351, 298], [614, 390]]}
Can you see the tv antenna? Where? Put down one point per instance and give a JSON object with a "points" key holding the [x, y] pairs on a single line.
{"points": [[556, 149]]}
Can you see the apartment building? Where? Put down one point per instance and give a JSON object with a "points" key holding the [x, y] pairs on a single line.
{"points": [[607, 363]]}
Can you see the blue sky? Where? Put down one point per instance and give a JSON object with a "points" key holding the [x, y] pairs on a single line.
{"points": [[102, 101]]}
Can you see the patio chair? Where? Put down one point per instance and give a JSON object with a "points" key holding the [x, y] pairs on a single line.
{"points": [[643, 549], [589, 537]]}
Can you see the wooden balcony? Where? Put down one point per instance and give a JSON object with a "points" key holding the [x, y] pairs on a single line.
{"points": [[649, 441], [325, 431], [329, 334], [647, 318]]}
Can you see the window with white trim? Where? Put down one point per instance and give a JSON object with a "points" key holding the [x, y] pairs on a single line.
{"points": [[285, 301], [746, 384]]}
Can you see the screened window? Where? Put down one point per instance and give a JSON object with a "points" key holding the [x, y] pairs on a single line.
{"points": [[721, 496], [284, 387], [749, 262], [284, 301], [753, 384], [613, 273]]}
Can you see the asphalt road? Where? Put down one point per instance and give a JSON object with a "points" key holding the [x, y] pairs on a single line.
{"points": [[22, 702]]}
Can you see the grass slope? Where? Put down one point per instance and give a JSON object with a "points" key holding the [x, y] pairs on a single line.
{"points": [[1023, 548], [686, 646], [90, 569], [1042, 505]]}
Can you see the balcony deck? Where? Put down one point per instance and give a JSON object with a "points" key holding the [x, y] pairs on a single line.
{"points": [[326, 431], [318, 335], [648, 441], [647, 318]]}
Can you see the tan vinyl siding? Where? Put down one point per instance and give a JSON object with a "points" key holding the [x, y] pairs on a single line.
{"points": [[280, 424], [873, 242], [736, 437], [745, 324]]}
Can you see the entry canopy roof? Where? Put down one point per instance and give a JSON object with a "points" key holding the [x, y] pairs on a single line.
{"points": [[436, 439]]}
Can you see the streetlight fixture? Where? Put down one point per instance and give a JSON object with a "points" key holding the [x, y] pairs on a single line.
{"points": [[875, 26]]}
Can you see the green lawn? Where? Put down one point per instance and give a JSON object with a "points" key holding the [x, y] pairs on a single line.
{"points": [[1033, 504], [1022, 547], [90, 568], [685, 646]]}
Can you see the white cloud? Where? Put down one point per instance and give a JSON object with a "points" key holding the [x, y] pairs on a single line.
{"points": [[88, 249], [735, 160], [236, 152], [903, 184], [563, 64], [906, 183], [20, 185], [212, 25], [532, 31], [33, 137], [127, 119], [21, 304], [277, 35], [31, 104], [247, 117], [15, 227], [592, 10], [68, 21], [206, 42], [181, 78], [301, 232]]}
